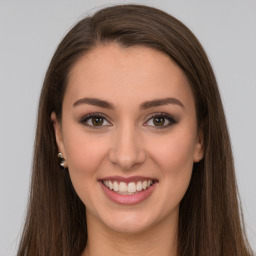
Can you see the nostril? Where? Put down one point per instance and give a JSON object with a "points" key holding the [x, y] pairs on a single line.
{"points": [[126, 149], [127, 158]]}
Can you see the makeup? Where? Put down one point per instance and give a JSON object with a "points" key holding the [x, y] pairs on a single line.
{"points": [[128, 191]]}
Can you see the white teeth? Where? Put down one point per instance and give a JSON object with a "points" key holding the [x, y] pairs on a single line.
{"points": [[139, 186], [144, 184], [132, 187], [128, 189], [110, 185], [116, 187], [122, 187]]}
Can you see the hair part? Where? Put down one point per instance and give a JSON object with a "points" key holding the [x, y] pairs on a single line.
{"points": [[210, 221]]}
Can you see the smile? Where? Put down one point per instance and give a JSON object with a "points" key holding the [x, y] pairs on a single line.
{"points": [[128, 191], [130, 188]]}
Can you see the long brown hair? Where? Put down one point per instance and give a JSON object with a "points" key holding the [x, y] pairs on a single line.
{"points": [[210, 220]]}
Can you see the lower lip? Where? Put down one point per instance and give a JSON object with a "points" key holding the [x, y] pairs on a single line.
{"points": [[128, 199]]}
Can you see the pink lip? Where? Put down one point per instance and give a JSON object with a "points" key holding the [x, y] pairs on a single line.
{"points": [[127, 179], [127, 199]]}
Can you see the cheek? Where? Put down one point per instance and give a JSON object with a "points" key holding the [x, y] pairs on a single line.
{"points": [[85, 154], [175, 158], [84, 160], [83, 150], [174, 151]]}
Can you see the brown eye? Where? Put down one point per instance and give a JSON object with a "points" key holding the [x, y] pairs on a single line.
{"points": [[97, 121], [159, 121]]}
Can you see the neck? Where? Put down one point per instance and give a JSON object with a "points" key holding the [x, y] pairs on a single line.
{"points": [[158, 240]]}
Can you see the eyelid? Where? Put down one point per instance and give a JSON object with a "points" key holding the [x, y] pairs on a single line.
{"points": [[85, 118], [169, 117]]}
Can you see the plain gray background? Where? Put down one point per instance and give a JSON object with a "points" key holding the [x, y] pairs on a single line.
{"points": [[30, 32]]}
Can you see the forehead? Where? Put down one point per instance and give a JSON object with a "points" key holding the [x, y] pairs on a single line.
{"points": [[135, 73]]}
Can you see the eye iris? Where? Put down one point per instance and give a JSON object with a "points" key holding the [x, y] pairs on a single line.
{"points": [[97, 121], [159, 121]]}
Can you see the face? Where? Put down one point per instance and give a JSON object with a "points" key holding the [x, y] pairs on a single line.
{"points": [[129, 136]]}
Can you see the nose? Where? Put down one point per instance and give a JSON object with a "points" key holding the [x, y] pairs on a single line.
{"points": [[127, 149]]}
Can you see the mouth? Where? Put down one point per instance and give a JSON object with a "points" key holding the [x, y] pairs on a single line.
{"points": [[127, 191], [131, 188]]}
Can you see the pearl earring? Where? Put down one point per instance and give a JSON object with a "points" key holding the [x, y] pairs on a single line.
{"points": [[62, 160]]}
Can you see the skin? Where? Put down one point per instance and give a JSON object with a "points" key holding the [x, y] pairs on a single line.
{"points": [[128, 143]]}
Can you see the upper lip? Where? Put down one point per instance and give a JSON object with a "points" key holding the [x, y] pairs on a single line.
{"points": [[127, 179]]}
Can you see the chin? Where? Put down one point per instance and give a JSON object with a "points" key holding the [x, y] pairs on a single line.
{"points": [[130, 221], [129, 226]]}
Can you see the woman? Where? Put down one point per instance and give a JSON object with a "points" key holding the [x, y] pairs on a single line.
{"points": [[131, 107]]}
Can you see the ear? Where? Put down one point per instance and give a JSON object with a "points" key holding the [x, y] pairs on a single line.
{"points": [[199, 146], [58, 134]]}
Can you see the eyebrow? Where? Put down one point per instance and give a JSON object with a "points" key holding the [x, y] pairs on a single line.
{"points": [[161, 102], [94, 102], [143, 106]]}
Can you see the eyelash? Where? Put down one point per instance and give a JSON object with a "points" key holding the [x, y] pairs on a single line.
{"points": [[86, 118], [167, 117], [170, 119]]}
